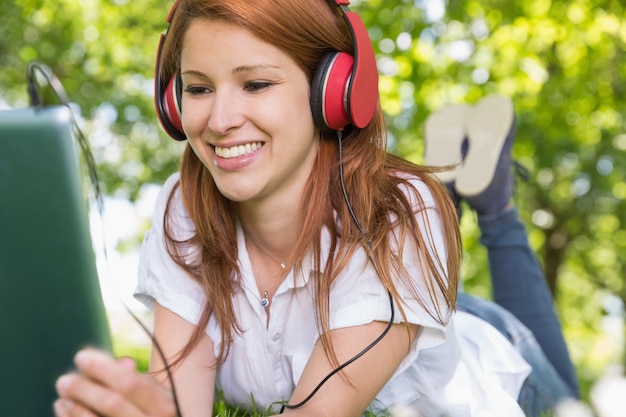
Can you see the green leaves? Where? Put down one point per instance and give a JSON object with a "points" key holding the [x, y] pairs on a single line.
{"points": [[562, 63]]}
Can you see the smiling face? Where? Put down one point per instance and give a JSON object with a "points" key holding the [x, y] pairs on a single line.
{"points": [[246, 113]]}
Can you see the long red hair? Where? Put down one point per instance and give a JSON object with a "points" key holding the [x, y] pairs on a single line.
{"points": [[306, 30]]}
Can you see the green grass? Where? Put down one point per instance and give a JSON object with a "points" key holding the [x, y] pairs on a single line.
{"points": [[221, 409], [141, 355]]}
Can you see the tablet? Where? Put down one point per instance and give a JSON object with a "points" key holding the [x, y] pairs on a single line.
{"points": [[50, 299]]}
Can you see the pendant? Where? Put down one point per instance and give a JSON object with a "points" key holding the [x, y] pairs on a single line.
{"points": [[283, 264], [265, 301]]}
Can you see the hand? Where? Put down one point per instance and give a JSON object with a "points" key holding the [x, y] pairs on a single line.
{"points": [[109, 387]]}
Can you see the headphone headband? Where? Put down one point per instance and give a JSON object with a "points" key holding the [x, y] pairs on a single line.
{"points": [[363, 90], [344, 89]]}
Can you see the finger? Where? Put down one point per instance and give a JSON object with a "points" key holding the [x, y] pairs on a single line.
{"points": [[144, 391], [67, 408], [63, 407], [88, 398]]}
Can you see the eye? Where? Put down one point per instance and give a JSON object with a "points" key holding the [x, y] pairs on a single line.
{"points": [[255, 86], [196, 90]]}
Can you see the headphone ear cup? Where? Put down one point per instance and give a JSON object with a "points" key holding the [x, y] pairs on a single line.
{"points": [[169, 107], [329, 89]]}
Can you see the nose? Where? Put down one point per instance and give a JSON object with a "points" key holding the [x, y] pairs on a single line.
{"points": [[225, 113]]}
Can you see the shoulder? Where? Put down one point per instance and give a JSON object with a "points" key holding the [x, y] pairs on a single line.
{"points": [[416, 190], [166, 190], [170, 203], [165, 195]]}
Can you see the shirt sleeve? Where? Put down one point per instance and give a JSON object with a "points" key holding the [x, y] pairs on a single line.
{"points": [[160, 279], [358, 296]]}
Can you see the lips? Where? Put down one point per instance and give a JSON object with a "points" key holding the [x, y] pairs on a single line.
{"points": [[237, 151]]}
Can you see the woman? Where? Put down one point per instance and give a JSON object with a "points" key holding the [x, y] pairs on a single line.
{"points": [[293, 261]]}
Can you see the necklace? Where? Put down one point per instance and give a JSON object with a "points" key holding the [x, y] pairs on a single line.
{"points": [[281, 262], [265, 300]]}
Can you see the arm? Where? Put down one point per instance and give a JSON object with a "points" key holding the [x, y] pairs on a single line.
{"points": [[194, 378], [105, 386], [365, 377]]}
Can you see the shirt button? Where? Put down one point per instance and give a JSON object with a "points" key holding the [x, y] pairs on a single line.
{"points": [[276, 337]]}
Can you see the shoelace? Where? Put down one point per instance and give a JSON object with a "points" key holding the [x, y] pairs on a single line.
{"points": [[521, 171]]}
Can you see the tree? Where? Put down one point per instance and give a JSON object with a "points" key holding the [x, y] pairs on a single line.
{"points": [[104, 54], [562, 63]]}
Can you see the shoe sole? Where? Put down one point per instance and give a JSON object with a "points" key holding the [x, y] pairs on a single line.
{"points": [[444, 133], [488, 125]]}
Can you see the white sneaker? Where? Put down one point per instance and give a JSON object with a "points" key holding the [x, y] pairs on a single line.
{"points": [[488, 126], [444, 133]]}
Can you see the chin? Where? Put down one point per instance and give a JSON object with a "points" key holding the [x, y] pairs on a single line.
{"points": [[237, 196]]}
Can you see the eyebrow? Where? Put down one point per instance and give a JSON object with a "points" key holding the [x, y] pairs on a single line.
{"points": [[250, 68], [237, 70], [194, 72]]}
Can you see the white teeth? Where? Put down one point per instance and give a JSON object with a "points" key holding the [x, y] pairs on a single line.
{"points": [[237, 151]]}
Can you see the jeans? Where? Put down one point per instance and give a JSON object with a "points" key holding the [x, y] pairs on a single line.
{"points": [[524, 312]]}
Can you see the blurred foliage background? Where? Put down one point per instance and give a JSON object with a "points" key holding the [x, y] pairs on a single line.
{"points": [[562, 63]]}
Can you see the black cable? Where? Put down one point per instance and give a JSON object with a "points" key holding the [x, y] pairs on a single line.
{"points": [[343, 188], [51, 79], [58, 89], [369, 244], [346, 363], [35, 99]]}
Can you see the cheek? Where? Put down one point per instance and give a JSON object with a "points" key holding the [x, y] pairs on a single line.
{"points": [[196, 149], [297, 109], [193, 120]]}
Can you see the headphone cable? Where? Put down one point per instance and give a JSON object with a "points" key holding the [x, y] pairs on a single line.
{"points": [[369, 244]]}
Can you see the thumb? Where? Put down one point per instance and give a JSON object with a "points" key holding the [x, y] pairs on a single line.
{"points": [[127, 362]]}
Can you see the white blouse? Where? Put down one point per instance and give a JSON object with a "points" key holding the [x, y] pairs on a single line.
{"points": [[466, 368]]}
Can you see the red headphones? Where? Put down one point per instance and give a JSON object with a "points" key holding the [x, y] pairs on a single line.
{"points": [[344, 89]]}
